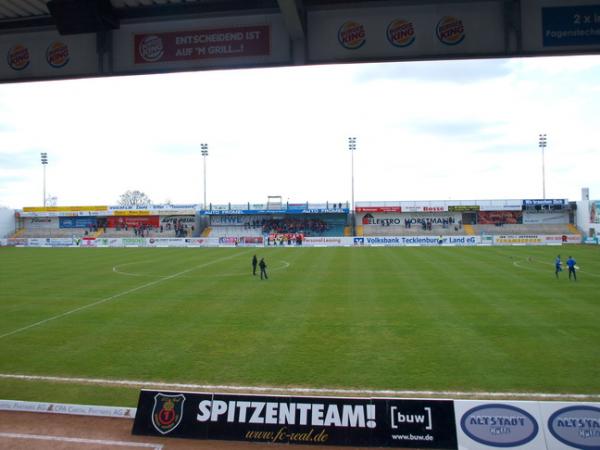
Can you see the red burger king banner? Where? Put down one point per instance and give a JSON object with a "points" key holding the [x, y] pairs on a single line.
{"points": [[202, 44]]}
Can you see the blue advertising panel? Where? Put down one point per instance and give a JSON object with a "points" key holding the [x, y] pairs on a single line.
{"points": [[571, 25], [77, 222], [225, 212], [545, 202]]}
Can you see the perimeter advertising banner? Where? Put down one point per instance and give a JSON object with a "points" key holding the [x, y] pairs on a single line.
{"points": [[571, 425], [482, 425], [298, 420], [401, 241]]}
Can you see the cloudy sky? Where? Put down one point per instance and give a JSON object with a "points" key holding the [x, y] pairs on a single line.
{"points": [[425, 131]]}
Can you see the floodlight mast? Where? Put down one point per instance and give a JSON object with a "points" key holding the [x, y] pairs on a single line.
{"points": [[542, 144], [352, 148], [44, 159], [204, 150]]}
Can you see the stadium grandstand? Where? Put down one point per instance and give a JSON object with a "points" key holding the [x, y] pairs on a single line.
{"points": [[279, 223]]}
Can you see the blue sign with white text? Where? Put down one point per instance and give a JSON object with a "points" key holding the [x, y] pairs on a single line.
{"points": [[77, 222], [571, 25], [231, 212]]}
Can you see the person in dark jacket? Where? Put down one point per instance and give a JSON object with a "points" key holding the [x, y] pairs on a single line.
{"points": [[254, 263], [263, 269]]}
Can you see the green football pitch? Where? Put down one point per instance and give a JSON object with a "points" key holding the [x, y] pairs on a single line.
{"points": [[485, 319]]}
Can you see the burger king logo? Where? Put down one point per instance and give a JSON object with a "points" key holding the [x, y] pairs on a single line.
{"points": [[401, 33], [151, 48], [450, 30], [18, 57], [352, 35], [57, 54]]}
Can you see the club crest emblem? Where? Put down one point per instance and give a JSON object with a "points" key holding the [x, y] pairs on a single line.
{"points": [[167, 412]]}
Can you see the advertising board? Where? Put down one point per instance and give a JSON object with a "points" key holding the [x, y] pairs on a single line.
{"points": [[577, 25], [326, 241], [41, 223], [404, 31], [199, 44], [530, 239], [537, 239], [400, 241], [177, 219], [298, 420], [77, 222], [410, 220], [545, 218], [499, 217], [51, 242], [246, 40], [132, 221], [378, 209], [271, 212], [463, 208], [545, 202], [109, 242], [571, 425], [483, 425], [166, 242]]}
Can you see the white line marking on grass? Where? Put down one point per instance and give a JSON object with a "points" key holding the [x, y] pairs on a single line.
{"points": [[116, 269], [287, 390], [41, 437], [120, 294], [534, 260]]}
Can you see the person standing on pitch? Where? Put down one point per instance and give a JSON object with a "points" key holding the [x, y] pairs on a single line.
{"points": [[571, 264], [558, 266], [263, 269], [254, 262]]}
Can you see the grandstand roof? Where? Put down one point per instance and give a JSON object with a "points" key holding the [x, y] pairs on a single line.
{"points": [[294, 32], [15, 13]]}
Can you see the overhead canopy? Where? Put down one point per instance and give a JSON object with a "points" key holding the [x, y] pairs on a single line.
{"points": [[53, 39]]}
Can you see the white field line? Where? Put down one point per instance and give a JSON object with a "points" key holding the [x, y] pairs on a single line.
{"points": [[41, 437], [517, 264], [288, 390], [116, 269], [120, 294]]}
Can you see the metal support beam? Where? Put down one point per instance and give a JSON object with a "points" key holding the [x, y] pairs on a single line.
{"points": [[294, 18]]}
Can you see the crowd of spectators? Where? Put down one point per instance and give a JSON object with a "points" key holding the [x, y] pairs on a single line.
{"points": [[143, 230], [307, 227]]}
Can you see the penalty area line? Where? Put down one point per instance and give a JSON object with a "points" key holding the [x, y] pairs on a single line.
{"points": [[287, 390], [42, 437]]}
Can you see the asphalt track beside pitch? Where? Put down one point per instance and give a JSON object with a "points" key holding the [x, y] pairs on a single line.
{"points": [[70, 432]]}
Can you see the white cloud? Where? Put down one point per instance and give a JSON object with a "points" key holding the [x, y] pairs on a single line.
{"points": [[284, 132]]}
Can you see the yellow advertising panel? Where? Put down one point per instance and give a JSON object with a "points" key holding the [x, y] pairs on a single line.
{"points": [[130, 212], [64, 208]]}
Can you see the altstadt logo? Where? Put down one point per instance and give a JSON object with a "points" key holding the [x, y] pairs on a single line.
{"points": [[167, 412]]}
